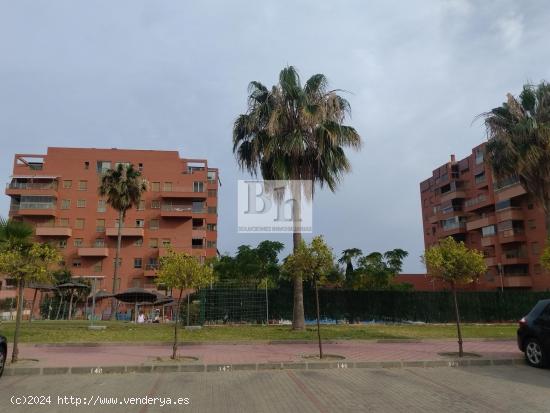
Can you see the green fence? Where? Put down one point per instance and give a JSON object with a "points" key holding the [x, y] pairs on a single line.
{"points": [[249, 305]]}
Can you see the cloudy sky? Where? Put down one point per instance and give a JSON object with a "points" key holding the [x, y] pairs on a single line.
{"points": [[174, 75]]}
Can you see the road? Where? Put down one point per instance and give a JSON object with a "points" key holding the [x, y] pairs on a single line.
{"points": [[471, 389]]}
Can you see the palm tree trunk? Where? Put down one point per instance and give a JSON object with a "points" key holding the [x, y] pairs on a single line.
{"points": [[459, 332], [71, 306], [18, 317], [298, 321], [117, 255], [318, 317], [175, 346]]}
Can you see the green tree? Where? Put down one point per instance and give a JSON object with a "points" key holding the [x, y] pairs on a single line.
{"points": [[519, 142], [312, 262], [25, 262], [295, 132], [348, 257], [456, 264], [376, 271], [123, 187], [181, 271]]}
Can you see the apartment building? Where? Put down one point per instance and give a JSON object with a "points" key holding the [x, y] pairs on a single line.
{"points": [[462, 199], [58, 194]]}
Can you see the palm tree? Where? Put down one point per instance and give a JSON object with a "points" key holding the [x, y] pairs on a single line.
{"points": [[347, 258], [292, 132], [123, 188], [16, 235], [519, 142]]}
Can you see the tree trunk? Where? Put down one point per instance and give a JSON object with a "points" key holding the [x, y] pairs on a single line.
{"points": [[117, 256], [175, 346], [18, 317], [59, 306], [298, 322], [188, 299], [70, 315], [459, 332], [32, 305], [547, 218], [318, 318]]}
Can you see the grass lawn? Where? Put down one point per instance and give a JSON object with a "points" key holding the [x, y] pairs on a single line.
{"points": [[77, 331]]}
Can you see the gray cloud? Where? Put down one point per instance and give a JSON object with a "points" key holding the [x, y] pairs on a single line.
{"points": [[173, 75]]}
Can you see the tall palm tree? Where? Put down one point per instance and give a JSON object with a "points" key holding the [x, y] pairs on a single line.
{"points": [[16, 235], [123, 187], [348, 256], [295, 132], [519, 142]]}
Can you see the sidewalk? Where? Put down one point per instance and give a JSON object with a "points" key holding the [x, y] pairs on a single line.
{"points": [[134, 356]]}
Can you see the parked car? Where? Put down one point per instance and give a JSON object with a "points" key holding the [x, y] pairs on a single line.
{"points": [[534, 335], [3, 353]]}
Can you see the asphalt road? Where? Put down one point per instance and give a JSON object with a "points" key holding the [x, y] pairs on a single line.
{"points": [[472, 389]]}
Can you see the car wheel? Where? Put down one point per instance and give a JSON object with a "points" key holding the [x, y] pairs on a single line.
{"points": [[534, 354], [3, 354]]}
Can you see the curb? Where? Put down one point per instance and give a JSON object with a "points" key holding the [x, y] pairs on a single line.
{"points": [[200, 368]]}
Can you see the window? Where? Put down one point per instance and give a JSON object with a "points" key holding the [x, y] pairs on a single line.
{"points": [[79, 223], [98, 266], [99, 243], [530, 206], [153, 243], [65, 203], [166, 243], [531, 224], [81, 203], [488, 231], [138, 242], [197, 206], [62, 244], [140, 167], [77, 263], [125, 165], [154, 224], [86, 165], [67, 184], [198, 187], [198, 223], [140, 223], [213, 227], [535, 248], [100, 225], [211, 176], [212, 193], [141, 205], [63, 222], [211, 244], [138, 262], [212, 210], [78, 242], [153, 263], [101, 205], [155, 204], [103, 166], [82, 185], [167, 187], [479, 156], [155, 186]]}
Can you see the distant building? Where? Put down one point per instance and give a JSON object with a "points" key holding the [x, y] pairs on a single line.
{"points": [[58, 194], [461, 199]]}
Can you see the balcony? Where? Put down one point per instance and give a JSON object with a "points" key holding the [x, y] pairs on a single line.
{"points": [[32, 188], [509, 189], [34, 209], [454, 229], [479, 222], [488, 241], [515, 281], [93, 252], [453, 194], [182, 192], [53, 231], [198, 233], [511, 235], [478, 202], [180, 211], [490, 261], [514, 257], [507, 214], [125, 231], [151, 270], [433, 219]]}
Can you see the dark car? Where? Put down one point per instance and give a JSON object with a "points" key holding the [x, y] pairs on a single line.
{"points": [[3, 353], [534, 335]]}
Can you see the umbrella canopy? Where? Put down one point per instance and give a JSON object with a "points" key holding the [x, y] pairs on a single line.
{"points": [[72, 285], [42, 287], [162, 299], [136, 295]]}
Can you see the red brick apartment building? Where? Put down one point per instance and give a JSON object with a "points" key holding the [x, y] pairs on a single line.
{"points": [[58, 194], [463, 200]]}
